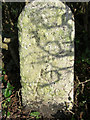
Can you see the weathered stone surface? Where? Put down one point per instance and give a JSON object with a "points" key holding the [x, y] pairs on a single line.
{"points": [[46, 37]]}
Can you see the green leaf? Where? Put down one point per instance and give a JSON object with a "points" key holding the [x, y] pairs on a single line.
{"points": [[9, 99], [4, 72], [35, 114], [7, 93], [4, 113], [9, 86], [37, 117], [8, 113], [4, 105]]}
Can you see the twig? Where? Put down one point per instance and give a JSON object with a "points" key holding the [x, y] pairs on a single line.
{"points": [[70, 111], [84, 82], [7, 98]]}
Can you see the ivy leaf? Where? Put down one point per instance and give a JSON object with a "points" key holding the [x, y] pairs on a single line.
{"points": [[9, 86], [7, 93], [9, 99], [35, 114], [4, 105], [4, 72], [4, 113], [8, 113]]}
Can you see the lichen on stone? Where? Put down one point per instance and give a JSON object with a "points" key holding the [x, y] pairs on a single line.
{"points": [[46, 37]]}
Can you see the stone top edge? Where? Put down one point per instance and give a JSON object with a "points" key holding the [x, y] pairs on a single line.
{"points": [[56, 3], [46, 0]]}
